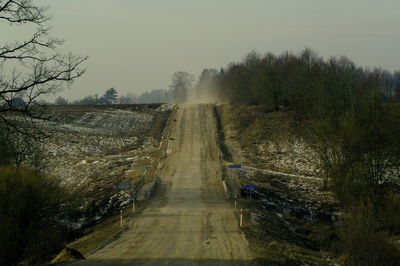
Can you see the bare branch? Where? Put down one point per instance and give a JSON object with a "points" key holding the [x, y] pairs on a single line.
{"points": [[22, 11], [31, 68]]}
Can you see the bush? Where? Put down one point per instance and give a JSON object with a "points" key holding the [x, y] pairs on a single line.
{"points": [[7, 149], [363, 245], [17, 149], [359, 152], [389, 217], [29, 202]]}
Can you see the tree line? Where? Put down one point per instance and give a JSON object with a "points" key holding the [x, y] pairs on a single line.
{"points": [[350, 117], [111, 96], [182, 84], [310, 85]]}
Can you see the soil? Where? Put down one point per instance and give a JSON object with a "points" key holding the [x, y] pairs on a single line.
{"points": [[67, 254]]}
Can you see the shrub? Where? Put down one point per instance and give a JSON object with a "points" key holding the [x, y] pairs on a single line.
{"points": [[29, 201], [362, 244]]}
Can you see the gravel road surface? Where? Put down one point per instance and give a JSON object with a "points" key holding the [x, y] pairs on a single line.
{"points": [[188, 221]]}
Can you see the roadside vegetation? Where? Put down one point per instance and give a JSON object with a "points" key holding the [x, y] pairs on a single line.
{"points": [[349, 117], [29, 205], [30, 201]]}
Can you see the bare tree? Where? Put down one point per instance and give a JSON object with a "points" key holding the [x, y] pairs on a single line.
{"points": [[61, 101], [32, 67], [206, 86], [182, 82]]}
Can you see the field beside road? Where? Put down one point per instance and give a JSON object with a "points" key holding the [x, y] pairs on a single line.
{"points": [[90, 148]]}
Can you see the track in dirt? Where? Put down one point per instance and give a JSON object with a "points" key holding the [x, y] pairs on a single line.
{"points": [[188, 222]]}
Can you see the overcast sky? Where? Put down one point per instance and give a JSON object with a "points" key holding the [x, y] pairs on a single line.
{"points": [[136, 45]]}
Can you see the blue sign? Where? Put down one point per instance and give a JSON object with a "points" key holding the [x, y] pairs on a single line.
{"points": [[123, 186], [250, 186], [234, 166]]}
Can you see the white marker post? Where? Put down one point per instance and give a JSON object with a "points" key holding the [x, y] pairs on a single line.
{"points": [[121, 218], [235, 202], [146, 169], [241, 218]]}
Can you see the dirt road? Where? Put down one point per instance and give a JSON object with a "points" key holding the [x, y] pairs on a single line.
{"points": [[188, 222]]}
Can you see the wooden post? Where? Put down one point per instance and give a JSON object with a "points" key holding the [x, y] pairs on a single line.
{"points": [[120, 218]]}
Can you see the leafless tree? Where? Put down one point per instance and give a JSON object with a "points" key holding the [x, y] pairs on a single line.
{"points": [[32, 67], [182, 82]]}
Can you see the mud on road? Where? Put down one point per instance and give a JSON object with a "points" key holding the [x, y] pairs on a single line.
{"points": [[188, 222]]}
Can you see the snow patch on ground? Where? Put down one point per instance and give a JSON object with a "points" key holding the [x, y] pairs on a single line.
{"points": [[90, 149]]}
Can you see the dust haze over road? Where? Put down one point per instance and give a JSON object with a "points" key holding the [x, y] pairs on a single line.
{"points": [[188, 222]]}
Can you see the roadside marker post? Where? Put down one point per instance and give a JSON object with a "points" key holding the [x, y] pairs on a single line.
{"points": [[234, 166], [127, 186], [241, 218], [120, 218], [250, 187], [235, 202], [146, 169]]}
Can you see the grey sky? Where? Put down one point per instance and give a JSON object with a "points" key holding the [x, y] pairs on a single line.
{"points": [[136, 45]]}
